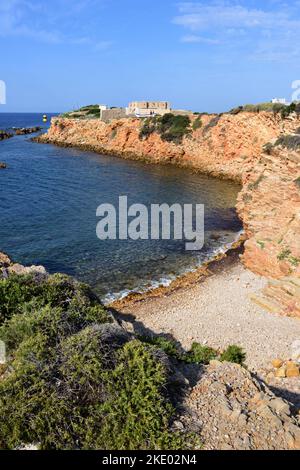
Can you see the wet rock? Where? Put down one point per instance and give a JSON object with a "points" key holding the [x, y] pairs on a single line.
{"points": [[27, 130], [5, 135], [3, 165], [23, 270]]}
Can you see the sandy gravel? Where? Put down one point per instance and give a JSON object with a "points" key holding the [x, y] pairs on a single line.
{"points": [[219, 312]]}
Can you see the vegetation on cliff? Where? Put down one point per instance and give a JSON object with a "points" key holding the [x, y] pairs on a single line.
{"points": [[170, 127], [276, 108], [90, 111]]}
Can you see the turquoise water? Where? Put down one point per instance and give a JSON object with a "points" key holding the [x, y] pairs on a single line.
{"points": [[48, 201]]}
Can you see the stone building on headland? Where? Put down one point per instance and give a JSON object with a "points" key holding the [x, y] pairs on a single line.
{"points": [[148, 108], [138, 109]]}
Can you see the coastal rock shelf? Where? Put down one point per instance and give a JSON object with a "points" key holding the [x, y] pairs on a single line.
{"points": [[5, 135], [226, 146]]}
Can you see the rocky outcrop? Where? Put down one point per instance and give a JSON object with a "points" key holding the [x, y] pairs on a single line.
{"points": [[224, 146], [27, 130], [227, 146], [232, 410], [8, 268], [5, 135], [269, 205]]}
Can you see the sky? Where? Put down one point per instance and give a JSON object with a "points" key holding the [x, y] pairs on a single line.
{"points": [[207, 56]]}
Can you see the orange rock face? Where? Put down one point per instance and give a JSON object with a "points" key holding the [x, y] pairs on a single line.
{"points": [[227, 146]]}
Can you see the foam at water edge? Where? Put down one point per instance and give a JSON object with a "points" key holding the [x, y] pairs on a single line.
{"points": [[166, 281]]}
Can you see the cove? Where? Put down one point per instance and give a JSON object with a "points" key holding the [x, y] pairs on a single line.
{"points": [[48, 201]]}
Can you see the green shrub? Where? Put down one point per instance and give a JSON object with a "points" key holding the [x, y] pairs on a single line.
{"points": [[270, 107], [57, 291], [197, 124], [170, 127], [212, 123], [169, 346], [200, 354], [291, 142], [233, 354], [77, 381], [293, 108], [148, 128], [82, 394], [268, 148]]}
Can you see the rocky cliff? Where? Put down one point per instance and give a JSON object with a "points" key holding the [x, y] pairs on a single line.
{"points": [[227, 146], [224, 146]]}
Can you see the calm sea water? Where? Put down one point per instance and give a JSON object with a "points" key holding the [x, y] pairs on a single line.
{"points": [[48, 201]]}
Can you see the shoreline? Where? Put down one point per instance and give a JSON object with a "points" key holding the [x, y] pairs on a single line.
{"points": [[217, 310], [136, 157], [218, 262], [243, 148]]}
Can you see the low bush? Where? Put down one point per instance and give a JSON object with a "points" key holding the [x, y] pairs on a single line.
{"points": [[169, 346], [170, 127], [233, 354], [76, 380], [291, 142], [197, 124], [57, 291], [199, 354], [275, 108], [212, 123]]}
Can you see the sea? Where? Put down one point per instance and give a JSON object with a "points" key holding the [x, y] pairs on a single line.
{"points": [[48, 201]]}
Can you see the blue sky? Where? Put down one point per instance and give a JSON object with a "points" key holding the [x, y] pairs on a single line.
{"points": [[201, 55]]}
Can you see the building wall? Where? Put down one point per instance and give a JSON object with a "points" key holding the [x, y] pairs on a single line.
{"points": [[115, 113], [145, 107]]}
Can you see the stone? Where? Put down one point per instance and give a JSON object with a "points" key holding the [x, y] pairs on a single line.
{"points": [[290, 440], [280, 373], [215, 363], [27, 130], [280, 406], [277, 363], [4, 260], [266, 412], [293, 372], [3, 165], [294, 431]]}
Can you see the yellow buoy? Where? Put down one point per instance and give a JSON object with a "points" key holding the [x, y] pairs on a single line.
{"points": [[45, 118]]}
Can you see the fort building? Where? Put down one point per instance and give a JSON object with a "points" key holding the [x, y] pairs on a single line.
{"points": [[148, 108]]}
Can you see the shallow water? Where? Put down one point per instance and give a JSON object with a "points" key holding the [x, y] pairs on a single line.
{"points": [[48, 201]]}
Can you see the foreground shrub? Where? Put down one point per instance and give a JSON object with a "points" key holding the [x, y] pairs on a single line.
{"points": [[84, 394], [74, 379], [167, 345], [234, 354], [57, 291], [200, 354]]}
